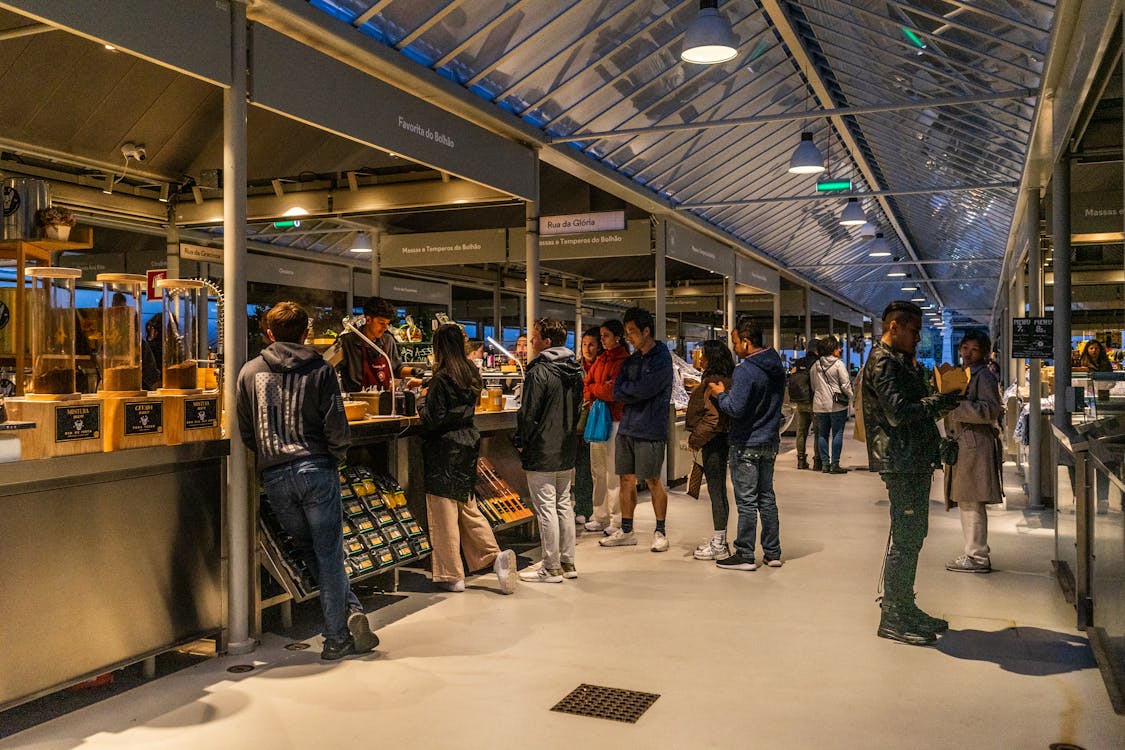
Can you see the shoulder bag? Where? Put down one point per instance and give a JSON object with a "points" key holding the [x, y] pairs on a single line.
{"points": [[838, 396]]}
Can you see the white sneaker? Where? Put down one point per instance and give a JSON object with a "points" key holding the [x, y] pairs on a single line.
{"points": [[580, 520], [619, 539], [659, 542], [541, 575], [455, 586], [505, 567], [610, 530], [774, 563], [594, 525], [569, 571], [712, 549]]}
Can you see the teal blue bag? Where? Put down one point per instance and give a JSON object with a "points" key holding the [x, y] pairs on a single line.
{"points": [[599, 424]]}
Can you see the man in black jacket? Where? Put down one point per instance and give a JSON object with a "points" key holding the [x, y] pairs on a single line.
{"points": [[900, 414], [547, 439], [291, 415], [801, 394]]}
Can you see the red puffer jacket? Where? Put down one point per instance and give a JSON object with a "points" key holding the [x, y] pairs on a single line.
{"points": [[599, 380]]}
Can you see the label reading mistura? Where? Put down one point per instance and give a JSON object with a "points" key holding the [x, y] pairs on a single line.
{"points": [[144, 417], [201, 413], [77, 422]]}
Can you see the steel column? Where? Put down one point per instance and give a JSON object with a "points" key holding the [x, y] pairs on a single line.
{"points": [[1060, 210], [661, 290], [1035, 305], [376, 236]]}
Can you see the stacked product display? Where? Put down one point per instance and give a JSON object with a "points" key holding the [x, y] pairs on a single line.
{"points": [[380, 532], [497, 500]]}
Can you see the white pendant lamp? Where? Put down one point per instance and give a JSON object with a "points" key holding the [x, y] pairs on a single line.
{"points": [[361, 243], [852, 215], [709, 39], [806, 159], [879, 247]]}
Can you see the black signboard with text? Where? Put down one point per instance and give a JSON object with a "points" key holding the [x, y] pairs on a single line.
{"points": [[1033, 337]]}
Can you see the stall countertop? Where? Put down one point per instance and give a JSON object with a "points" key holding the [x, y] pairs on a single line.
{"points": [[387, 426]]}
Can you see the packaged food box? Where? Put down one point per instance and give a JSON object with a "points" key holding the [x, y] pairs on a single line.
{"points": [[385, 518], [374, 540], [363, 523], [403, 513], [393, 533], [384, 558], [421, 546], [348, 528], [412, 529], [354, 545], [354, 507], [402, 550], [362, 563]]}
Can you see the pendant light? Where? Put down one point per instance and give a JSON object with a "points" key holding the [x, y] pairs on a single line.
{"points": [[879, 247], [709, 39], [361, 243], [852, 215], [868, 231], [806, 159]]}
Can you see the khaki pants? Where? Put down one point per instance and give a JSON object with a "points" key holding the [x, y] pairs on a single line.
{"points": [[607, 485], [974, 526], [457, 527]]}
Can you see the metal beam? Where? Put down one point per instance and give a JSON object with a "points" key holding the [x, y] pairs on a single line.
{"points": [[874, 264], [839, 195], [21, 31], [950, 101], [928, 281]]}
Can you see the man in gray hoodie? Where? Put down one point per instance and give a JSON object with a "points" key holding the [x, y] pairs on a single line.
{"points": [[291, 415]]}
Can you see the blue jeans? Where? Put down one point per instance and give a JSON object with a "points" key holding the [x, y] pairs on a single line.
{"points": [[305, 497], [834, 422], [751, 473]]}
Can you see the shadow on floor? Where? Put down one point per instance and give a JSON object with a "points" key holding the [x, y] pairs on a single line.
{"points": [[1028, 651]]}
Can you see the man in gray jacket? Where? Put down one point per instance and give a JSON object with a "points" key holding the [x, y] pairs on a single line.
{"points": [[291, 415]]}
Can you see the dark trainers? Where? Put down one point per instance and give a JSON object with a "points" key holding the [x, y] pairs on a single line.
{"points": [[927, 622], [901, 629], [337, 648], [817, 465], [802, 464], [835, 469], [362, 638], [736, 562]]}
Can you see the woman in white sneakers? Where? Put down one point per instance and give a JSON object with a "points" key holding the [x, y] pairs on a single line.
{"points": [[832, 392], [599, 385]]}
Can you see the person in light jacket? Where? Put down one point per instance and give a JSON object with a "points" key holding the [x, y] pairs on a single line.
{"points": [[831, 384], [974, 481], [707, 433]]}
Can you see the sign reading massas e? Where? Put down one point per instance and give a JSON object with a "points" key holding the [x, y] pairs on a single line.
{"points": [[696, 249], [443, 248], [635, 239]]}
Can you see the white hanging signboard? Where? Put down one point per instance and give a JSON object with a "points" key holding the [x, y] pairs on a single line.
{"points": [[603, 221]]}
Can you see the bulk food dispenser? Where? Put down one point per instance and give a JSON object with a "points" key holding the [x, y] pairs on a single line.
{"points": [[192, 415], [119, 355]]}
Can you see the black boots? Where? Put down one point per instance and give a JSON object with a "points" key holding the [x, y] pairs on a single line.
{"points": [[897, 625], [835, 469], [802, 463], [816, 464]]}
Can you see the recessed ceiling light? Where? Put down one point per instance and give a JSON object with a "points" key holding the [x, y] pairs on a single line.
{"points": [[111, 48]]}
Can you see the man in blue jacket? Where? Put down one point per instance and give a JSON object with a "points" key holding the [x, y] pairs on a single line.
{"points": [[644, 387], [754, 407]]}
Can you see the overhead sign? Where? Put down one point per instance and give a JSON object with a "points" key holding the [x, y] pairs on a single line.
{"points": [[290, 78], [201, 253], [1033, 337], [443, 248], [94, 263], [574, 223], [697, 249], [412, 290], [635, 239], [752, 273], [269, 269], [820, 305]]}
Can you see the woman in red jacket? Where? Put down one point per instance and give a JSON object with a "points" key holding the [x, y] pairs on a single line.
{"points": [[599, 385]]}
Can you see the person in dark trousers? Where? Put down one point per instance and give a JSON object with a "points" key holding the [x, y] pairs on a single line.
{"points": [[547, 440], [801, 394], [707, 434], [754, 407], [900, 412], [589, 350], [644, 388], [362, 367], [291, 415]]}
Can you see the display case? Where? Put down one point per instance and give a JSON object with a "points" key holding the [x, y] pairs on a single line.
{"points": [[119, 355], [1104, 394], [52, 333], [185, 311]]}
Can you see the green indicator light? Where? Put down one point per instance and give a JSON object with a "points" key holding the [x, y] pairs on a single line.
{"points": [[286, 224], [914, 38], [825, 186]]}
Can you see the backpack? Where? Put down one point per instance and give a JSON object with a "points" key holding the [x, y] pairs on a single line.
{"points": [[800, 385]]}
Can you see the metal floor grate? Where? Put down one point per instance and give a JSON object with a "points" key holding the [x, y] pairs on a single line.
{"points": [[606, 703]]}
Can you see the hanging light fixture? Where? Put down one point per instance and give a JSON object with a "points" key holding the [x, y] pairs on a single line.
{"points": [[879, 247], [361, 243], [868, 230], [806, 159], [853, 215], [709, 39]]}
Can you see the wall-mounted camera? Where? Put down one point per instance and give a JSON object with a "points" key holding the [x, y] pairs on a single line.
{"points": [[134, 151]]}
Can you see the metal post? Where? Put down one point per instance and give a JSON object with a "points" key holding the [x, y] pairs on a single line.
{"points": [[1035, 300], [808, 316], [578, 322], [661, 291], [532, 251], [172, 245], [239, 506], [497, 310], [376, 237], [777, 321], [1020, 366], [732, 306], [1060, 208]]}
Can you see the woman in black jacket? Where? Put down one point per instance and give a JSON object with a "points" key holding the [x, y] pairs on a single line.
{"points": [[450, 447]]}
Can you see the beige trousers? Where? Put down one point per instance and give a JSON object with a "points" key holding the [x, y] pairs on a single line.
{"points": [[607, 485], [455, 527], [974, 525]]}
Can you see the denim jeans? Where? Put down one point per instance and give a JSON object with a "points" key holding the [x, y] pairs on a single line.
{"points": [[714, 456], [910, 522], [751, 473], [834, 422], [305, 497]]}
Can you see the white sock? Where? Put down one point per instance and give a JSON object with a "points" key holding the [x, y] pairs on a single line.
{"points": [[719, 536]]}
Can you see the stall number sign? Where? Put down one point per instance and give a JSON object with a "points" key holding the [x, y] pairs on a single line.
{"points": [[144, 417], [1033, 337], [78, 422], [201, 413]]}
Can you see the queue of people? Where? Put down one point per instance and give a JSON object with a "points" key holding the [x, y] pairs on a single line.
{"points": [[734, 419]]}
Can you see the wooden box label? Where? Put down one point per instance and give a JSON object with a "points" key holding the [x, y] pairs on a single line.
{"points": [[144, 417], [201, 413], [78, 422]]}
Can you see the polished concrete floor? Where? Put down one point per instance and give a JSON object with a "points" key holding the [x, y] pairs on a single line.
{"points": [[776, 658]]}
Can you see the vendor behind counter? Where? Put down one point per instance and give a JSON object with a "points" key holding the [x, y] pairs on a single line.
{"points": [[361, 367]]}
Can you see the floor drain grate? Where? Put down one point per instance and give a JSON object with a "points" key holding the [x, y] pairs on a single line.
{"points": [[296, 646], [600, 702], [240, 668]]}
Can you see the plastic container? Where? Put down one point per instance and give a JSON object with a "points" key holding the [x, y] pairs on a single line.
{"points": [[120, 353], [495, 398], [185, 315], [51, 307]]}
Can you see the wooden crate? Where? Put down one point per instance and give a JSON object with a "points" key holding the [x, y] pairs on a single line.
{"points": [[134, 422], [192, 418], [62, 428]]}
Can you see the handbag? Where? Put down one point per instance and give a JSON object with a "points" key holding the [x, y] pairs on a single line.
{"points": [[583, 415], [948, 451], [599, 423], [695, 480], [838, 396]]}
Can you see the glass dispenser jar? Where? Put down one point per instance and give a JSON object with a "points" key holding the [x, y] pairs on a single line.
{"points": [[120, 353], [185, 311], [52, 316]]}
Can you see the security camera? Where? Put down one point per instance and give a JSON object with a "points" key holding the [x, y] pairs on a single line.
{"points": [[134, 151]]}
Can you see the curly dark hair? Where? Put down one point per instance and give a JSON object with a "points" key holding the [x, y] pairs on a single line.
{"points": [[377, 307], [720, 362]]}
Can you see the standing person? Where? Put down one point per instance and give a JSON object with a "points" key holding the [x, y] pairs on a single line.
{"points": [[644, 388], [590, 348], [603, 456], [801, 394], [832, 392], [1094, 357], [707, 428], [754, 406], [547, 440], [450, 448], [899, 415], [359, 365], [974, 480], [291, 416]]}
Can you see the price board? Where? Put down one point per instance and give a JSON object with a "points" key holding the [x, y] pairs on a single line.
{"points": [[1033, 338]]}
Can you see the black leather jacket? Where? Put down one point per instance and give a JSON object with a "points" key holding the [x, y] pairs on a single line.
{"points": [[900, 412]]}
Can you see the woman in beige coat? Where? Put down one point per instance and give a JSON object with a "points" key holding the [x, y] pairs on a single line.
{"points": [[974, 481]]}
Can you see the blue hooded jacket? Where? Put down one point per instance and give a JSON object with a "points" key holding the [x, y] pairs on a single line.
{"points": [[754, 400], [644, 388]]}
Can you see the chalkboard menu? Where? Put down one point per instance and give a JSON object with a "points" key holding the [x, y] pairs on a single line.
{"points": [[1033, 337]]}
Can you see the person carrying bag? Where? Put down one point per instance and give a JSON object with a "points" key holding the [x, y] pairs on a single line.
{"points": [[832, 392]]}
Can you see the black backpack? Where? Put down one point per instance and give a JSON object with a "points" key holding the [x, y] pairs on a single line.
{"points": [[800, 383]]}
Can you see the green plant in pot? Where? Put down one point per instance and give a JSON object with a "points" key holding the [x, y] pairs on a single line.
{"points": [[56, 222]]}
